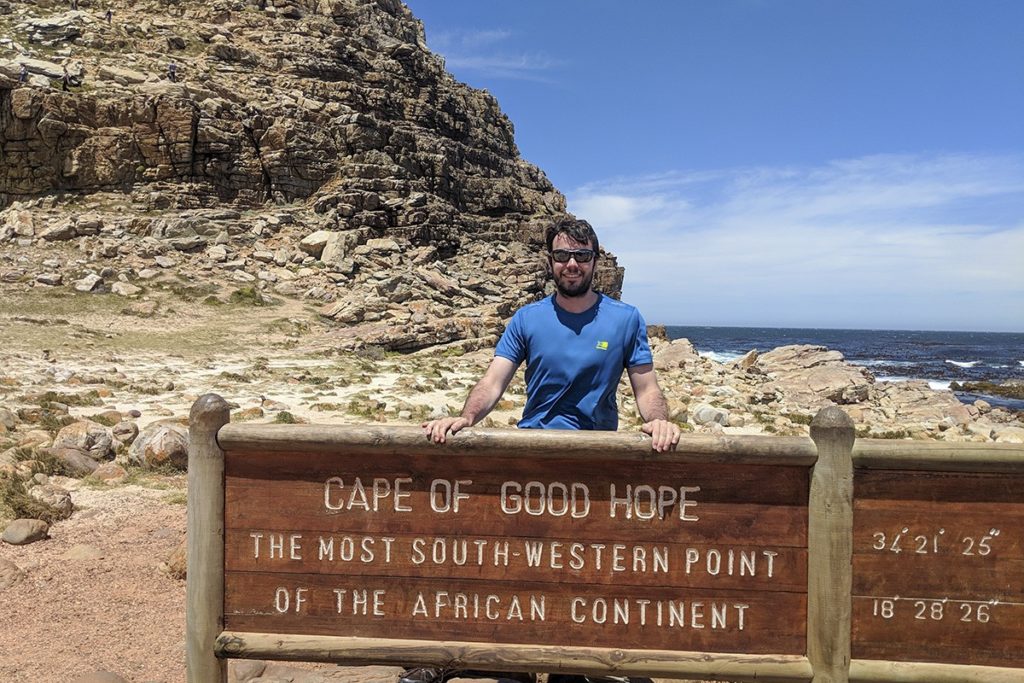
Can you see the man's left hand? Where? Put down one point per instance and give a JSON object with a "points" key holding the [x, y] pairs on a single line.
{"points": [[664, 434]]}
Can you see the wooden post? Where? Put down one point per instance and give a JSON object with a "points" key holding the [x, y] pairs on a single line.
{"points": [[204, 606], [830, 547]]}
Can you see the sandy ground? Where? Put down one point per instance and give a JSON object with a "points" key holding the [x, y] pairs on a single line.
{"points": [[94, 596]]}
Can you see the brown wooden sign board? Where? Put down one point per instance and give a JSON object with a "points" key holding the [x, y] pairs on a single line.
{"points": [[938, 567], [513, 549]]}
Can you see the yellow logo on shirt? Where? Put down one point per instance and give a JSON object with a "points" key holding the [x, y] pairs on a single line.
{"points": [[603, 345]]}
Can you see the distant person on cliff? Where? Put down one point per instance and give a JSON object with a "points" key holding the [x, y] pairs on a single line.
{"points": [[575, 343], [65, 80], [172, 72], [23, 74]]}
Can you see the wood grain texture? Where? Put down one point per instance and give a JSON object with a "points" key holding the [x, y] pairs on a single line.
{"points": [[463, 655], [551, 614], [866, 671], [286, 490], [888, 454], [536, 443], [514, 559], [939, 567], [829, 547], [743, 555]]}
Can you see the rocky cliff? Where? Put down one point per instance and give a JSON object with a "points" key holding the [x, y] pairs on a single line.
{"points": [[311, 149]]}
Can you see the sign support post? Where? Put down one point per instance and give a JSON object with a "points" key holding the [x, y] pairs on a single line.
{"points": [[830, 547], [204, 601]]}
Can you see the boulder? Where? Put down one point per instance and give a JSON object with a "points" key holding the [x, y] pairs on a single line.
{"points": [[92, 438], [160, 444], [75, 461], [25, 531], [314, 243], [56, 497], [125, 431]]}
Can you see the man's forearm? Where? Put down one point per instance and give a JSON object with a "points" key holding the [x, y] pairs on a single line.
{"points": [[652, 406], [480, 402]]}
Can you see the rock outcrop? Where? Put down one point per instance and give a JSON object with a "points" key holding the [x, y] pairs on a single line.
{"points": [[313, 149]]}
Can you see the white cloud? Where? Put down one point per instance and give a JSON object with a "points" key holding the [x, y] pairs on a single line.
{"points": [[929, 242], [480, 52]]}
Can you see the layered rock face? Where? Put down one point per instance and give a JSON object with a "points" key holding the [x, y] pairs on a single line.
{"points": [[311, 148]]}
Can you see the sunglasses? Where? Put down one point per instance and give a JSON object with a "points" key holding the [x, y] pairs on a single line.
{"points": [[563, 255]]}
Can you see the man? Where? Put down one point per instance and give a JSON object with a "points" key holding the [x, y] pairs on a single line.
{"points": [[576, 344]]}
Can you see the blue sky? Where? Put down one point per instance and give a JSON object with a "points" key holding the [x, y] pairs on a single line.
{"points": [[807, 163]]}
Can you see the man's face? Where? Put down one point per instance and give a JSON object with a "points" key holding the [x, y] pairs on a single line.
{"points": [[572, 278]]}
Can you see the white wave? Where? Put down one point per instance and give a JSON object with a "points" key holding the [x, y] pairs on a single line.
{"points": [[1021, 362], [963, 363], [936, 384], [720, 356], [875, 361]]}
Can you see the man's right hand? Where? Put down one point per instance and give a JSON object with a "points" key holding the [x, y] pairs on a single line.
{"points": [[437, 430]]}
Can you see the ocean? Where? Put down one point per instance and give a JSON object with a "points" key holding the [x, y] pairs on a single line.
{"points": [[894, 355]]}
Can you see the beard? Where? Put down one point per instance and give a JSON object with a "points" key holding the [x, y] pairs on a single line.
{"points": [[575, 289]]}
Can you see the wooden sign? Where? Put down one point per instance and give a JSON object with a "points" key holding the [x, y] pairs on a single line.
{"points": [[734, 558], [938, 567], [433, 544]]}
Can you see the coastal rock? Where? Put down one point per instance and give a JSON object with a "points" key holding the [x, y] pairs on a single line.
{"points": [[678, 353], [1011, 434], [812, 377]]}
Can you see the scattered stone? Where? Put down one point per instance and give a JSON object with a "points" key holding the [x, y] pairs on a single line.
{"points": [[705, 414], [110, 472], [176, 565], [83, 552], [100, 677], [10, 573], [90, 283], [125, 289], [50, 279]]}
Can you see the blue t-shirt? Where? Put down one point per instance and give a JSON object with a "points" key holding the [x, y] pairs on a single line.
{"points": [[574, 361]]}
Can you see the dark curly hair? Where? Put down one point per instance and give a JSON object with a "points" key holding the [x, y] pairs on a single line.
{"points": [[574, 229]]}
